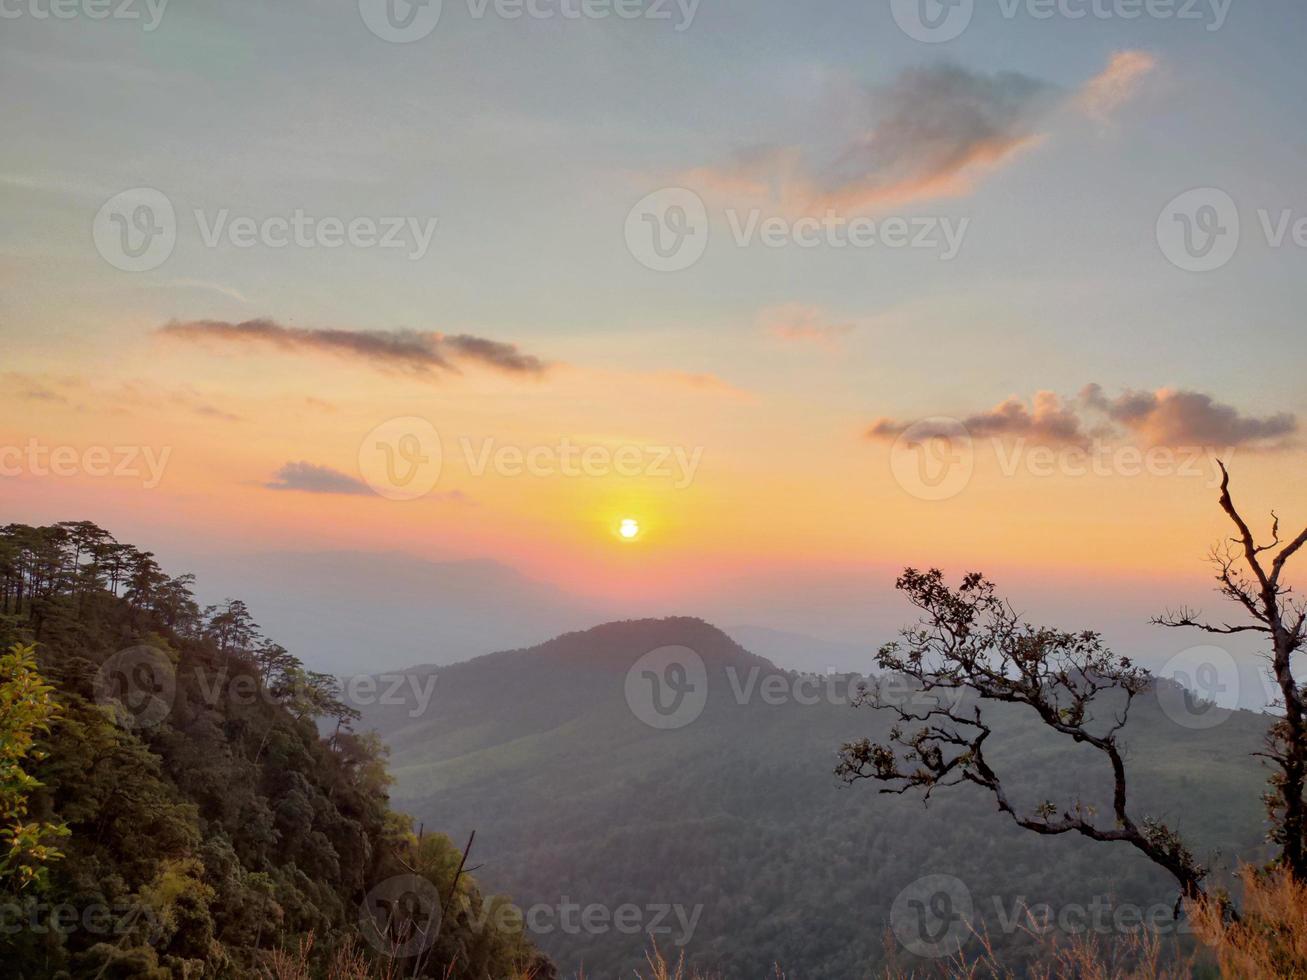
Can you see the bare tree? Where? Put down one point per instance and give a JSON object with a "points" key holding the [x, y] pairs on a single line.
{"points": [[970, 648], [1244, 577]]}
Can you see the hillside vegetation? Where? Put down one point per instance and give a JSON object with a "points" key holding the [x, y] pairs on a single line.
{"points": [[178, 813]]}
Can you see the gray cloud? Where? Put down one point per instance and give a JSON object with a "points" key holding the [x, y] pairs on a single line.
{"points": [[1166, 417], [1169, 417], [936, 122], [495, 353], [310, 478], [928, 134], [411, 351], [1048, 420]]}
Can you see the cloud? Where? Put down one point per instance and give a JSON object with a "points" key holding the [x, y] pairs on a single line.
{"points": [[420, 353], [1115, 85], [506, 357], [1169, 417], [936, 131], [124, 397], [1166, 417], [1047, 420], [213, 412], [802, 324], [40, 393], [696, 380], [309, 478]]}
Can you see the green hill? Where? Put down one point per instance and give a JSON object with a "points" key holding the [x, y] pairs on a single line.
{"points": [[211, 828], [738, 815]]}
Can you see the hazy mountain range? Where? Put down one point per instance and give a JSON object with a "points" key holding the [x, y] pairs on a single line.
{"points": [[735, 818]]}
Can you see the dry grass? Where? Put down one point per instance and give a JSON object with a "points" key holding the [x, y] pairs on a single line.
{"points": [[1138, 956], [348, 962], [1269, 941], [1270, 938]]}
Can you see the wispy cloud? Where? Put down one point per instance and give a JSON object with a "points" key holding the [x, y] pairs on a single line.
{"points": [[1115, 85], [699, 381], [937, 130], [424, 354], [1165, 417], [797, 323], [122, 397]]}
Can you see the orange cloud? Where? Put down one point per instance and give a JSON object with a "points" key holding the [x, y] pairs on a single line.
{"points": [[1116, 85], [802, 324]]}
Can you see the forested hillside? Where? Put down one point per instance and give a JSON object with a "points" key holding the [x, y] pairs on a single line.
{"points": [[736, 818], [178, 814]]}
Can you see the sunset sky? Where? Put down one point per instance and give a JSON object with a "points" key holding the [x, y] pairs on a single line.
{"points": [[786, 373]]}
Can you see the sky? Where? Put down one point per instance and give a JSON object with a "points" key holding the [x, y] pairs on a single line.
{"points": [[822, 290]]}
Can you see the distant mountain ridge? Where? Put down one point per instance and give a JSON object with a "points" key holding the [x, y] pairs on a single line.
{"points": [[548, 753]]}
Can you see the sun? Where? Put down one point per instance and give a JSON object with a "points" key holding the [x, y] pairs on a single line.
{"points": [[629, 528]]}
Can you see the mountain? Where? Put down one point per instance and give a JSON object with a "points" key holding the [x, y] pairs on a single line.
{"points": [[724, 809]]}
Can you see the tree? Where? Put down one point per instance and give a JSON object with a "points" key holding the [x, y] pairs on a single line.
{"points": [[1243, 577], [27, 708], [970, 649]]}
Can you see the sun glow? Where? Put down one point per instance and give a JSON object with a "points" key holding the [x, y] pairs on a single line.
{"points": [[629, 529]]}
